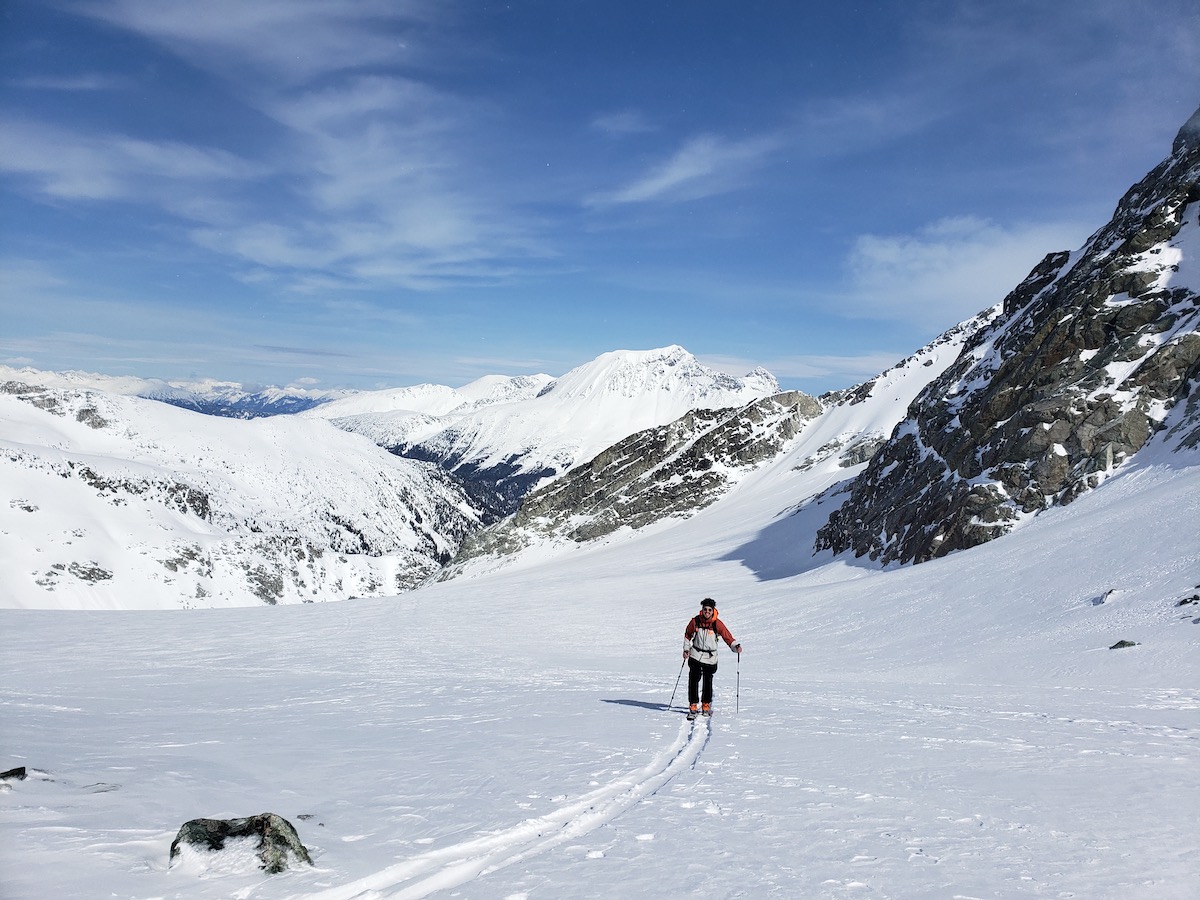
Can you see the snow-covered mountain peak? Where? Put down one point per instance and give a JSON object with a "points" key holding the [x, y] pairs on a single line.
{"points": [[127, 385], [503, 388], [1188, 138], [520, 444], [432, 399], [638, 373], [508, 433]]}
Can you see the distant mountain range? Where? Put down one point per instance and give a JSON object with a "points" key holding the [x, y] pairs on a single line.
{"points": [[119, 500], [214, 398], [509, 435], [676, 469]]}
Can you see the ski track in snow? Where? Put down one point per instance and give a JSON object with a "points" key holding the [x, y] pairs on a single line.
{"points": [[450, 867]]}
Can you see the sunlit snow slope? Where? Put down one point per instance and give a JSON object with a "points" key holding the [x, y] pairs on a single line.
{"points": [[954, 729], [114, 502]]}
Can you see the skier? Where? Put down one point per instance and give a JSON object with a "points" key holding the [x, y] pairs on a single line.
{"points": [[700, 650]]}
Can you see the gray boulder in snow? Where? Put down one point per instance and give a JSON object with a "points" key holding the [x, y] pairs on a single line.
{"points": [[278, 842]]}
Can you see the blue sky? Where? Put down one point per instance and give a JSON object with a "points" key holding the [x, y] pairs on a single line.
{"points": [[386, 192]]}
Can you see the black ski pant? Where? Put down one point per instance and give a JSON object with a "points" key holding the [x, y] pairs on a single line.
{"points": [[700, 672]]}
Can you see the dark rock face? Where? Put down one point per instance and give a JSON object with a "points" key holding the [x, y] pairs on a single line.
{"points": [[496, 490], [672, 470], [1089, 354], [278, 843], [242, 406]]}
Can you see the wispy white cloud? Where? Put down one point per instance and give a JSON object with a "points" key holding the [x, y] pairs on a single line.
{"points": [[382, 163], [704, 166], [289, 41], [56, 163], [1071, 69], [623, 123], [69, 164], [855, 123], [357, 100], [82, 82], [173, 340], [372, 178], [946, 271], [26, 281]]}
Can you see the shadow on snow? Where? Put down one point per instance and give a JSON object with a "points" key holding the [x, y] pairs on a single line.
{"points": [[785, 547], [642, 704]]}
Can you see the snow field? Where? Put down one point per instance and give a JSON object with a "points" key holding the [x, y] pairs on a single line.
{"points": [[955, 729]]}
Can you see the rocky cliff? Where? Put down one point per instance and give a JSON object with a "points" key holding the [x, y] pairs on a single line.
{"points": [[1090, 353], [668, 471]]}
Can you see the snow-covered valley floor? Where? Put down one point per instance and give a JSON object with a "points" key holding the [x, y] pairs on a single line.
{"points": [[955, 729]]}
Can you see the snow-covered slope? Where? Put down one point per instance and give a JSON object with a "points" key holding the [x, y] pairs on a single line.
{"points": [[677, 469], [434, 399], [954, 729], [117, 502], [403, 416], [285, 495]]}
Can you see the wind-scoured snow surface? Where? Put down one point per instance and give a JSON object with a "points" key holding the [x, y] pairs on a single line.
{"points": [[954, 729]]}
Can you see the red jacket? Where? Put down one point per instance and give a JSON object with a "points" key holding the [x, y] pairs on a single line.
{"points": [[700, 637]]}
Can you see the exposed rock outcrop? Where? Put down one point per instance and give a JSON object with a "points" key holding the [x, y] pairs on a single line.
{"points": [[278, 844], [672, 470], [1089, 354]]}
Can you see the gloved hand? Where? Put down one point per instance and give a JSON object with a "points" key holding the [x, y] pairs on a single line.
{"points": [[686, 654], [737, 648]]}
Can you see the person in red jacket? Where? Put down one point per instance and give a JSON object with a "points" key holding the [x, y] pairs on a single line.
{"points": [[700, 639]]}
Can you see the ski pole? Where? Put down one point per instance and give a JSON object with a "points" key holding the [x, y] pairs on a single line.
{"points": [[680, 675], [737, 691]]}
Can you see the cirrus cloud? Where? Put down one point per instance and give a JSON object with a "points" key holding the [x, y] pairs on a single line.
{"points": [[704, 166], [947, 271]]}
